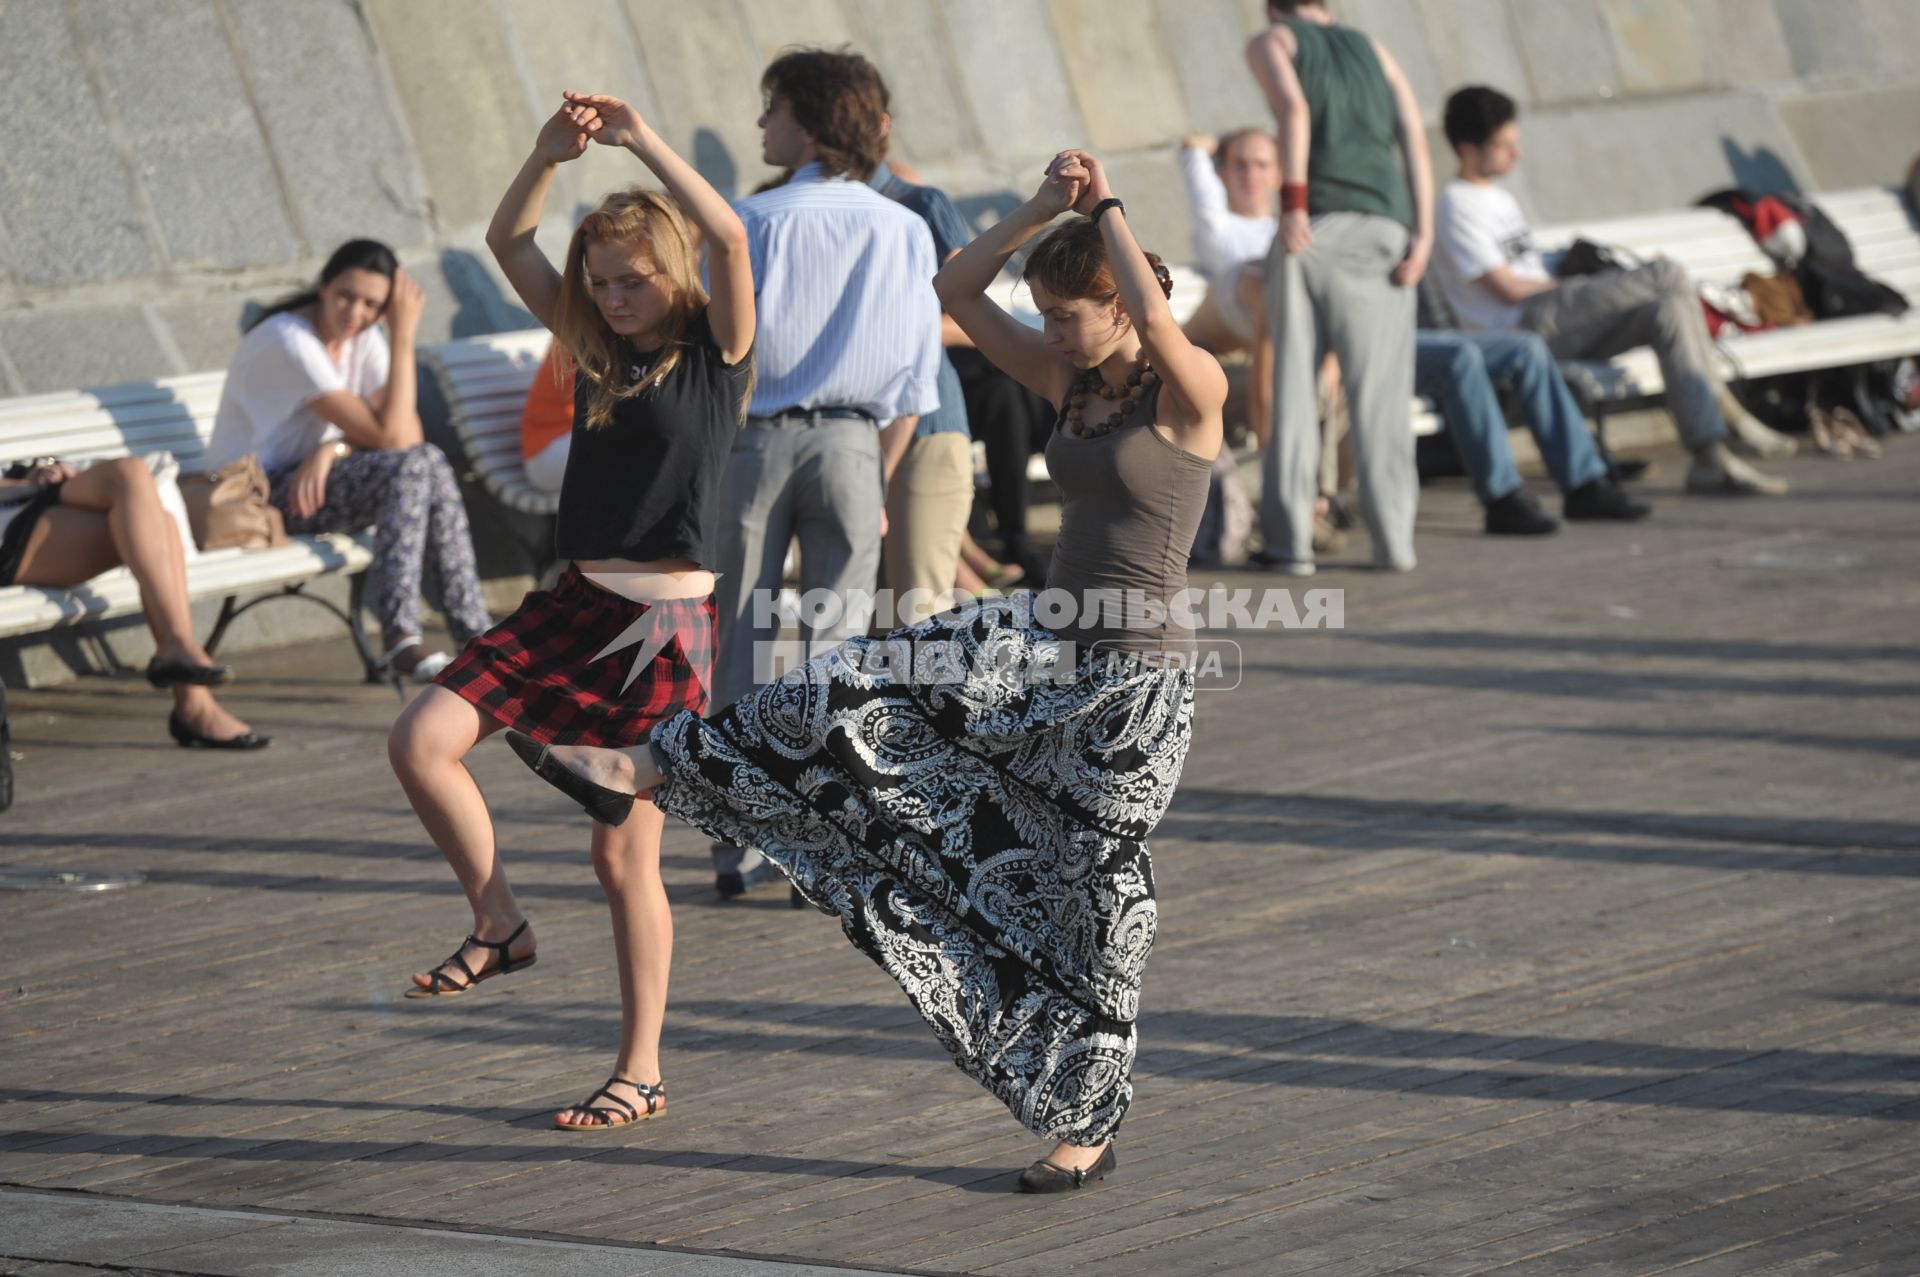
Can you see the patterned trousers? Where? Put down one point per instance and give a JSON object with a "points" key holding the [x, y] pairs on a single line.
{"points": [[420, 538]]}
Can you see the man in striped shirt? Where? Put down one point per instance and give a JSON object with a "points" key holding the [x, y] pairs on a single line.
{"points": [[848, 353]]}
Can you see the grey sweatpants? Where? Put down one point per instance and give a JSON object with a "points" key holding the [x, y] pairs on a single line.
{"points": [[817, 479], [1600, 316], [1339, 295]]}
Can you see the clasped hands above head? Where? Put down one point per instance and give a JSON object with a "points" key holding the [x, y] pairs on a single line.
{"points": [[1075, 182]]}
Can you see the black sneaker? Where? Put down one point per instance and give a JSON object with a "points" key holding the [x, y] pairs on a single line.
{"points": [[1518, 515], [1603, 499]]}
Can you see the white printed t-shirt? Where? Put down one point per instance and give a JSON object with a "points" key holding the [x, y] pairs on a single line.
{"points": [[282, 366], [1480, 227]]}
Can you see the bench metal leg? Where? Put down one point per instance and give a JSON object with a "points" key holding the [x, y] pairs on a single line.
{"points": [[231, 610]]}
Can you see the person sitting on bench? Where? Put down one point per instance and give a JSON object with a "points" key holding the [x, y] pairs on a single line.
{"points": [[65, 524]]}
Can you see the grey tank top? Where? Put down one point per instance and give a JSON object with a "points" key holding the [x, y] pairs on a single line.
{"points": [[1130, 505]]}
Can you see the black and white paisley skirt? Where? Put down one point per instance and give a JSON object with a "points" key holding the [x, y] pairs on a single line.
{"points": [[973, 808]]}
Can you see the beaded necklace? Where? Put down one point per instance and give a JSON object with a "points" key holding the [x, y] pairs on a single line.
{"points": [[1141, 380]]}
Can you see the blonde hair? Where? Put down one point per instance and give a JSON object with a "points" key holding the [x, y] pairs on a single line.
{"points": [[642, 219]]}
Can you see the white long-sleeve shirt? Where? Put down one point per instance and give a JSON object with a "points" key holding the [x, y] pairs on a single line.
{"points": [[1223, 241]]}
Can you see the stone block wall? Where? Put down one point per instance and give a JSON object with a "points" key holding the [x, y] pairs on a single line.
{"points": [[163, 162]]}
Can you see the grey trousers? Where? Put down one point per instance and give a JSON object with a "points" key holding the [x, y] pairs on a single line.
{"points": [[1600, 316], [817, 478], [1339, 295]]}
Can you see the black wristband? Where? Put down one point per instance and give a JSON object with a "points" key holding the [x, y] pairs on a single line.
{"points": [[1100, 209]]}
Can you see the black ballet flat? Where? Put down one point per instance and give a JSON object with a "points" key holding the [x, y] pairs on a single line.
{"points": [[1044, 1177], [607, 806], [187, 738], [166, 673]]}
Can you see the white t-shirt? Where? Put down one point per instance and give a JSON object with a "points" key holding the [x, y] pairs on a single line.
{"points": [[1223, 241], [1479, 227], [282, 366]]}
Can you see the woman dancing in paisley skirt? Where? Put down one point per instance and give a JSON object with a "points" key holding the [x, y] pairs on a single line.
{"points": [[970, 795]]}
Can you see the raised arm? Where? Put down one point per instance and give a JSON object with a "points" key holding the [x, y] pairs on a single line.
{"points": [[1412, 131], [510, 235], [613, 122], [1270, 56], [1207, 197], [1015, 349], [1191, 375], [390, 417]]}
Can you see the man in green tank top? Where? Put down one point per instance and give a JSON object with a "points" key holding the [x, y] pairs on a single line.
{"points": [[1356, 226]]}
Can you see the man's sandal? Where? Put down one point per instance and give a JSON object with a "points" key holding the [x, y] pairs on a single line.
{"points": [[445, 986], [605, 1115]]}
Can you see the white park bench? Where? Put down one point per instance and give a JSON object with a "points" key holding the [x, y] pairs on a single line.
{"points": [[1716, 249], [174, 414]]}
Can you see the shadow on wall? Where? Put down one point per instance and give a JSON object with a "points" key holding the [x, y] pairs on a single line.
{"points": [[715, 163], [483, 307], [1759, 169]]}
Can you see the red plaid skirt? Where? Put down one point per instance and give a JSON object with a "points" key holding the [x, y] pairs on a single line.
{"points": [[546, 670]]}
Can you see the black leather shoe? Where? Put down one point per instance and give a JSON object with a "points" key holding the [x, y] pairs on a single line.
{"points": [[732, 886], [1518, 515], [1603, 499], [607, 806], [166, 673], [187, 738], [1044, 1177]]}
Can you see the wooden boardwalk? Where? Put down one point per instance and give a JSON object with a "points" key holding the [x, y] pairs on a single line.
{"points": [[1561, 914]]}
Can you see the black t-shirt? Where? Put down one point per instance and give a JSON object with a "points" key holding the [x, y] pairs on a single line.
{"points": [[647, 484]]}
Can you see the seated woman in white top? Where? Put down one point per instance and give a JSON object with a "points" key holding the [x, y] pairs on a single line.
{"points": [[316, 394], [1232, 182], [62, 524]]}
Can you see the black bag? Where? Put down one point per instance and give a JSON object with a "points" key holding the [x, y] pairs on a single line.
{"points": [[1584, 257]]}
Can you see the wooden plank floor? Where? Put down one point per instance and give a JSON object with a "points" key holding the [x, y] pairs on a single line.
{"points": [[1557, 915]]}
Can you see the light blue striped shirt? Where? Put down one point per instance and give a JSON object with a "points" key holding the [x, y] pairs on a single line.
{"points": [[847, 316]]}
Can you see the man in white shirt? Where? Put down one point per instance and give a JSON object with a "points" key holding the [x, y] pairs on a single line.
{"points": [[848, 357], [1494, 278]]}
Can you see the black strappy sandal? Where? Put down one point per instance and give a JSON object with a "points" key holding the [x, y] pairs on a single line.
{"points": [[655, 1096], [443, 985]]}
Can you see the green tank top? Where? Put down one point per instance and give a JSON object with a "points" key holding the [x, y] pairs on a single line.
{"points": [[1354, 164]]}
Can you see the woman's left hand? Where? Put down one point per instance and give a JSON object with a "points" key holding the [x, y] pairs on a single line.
{"points": [[1094, 186], [309, 491], [1414, 264], [608, 120], [54, 472]]}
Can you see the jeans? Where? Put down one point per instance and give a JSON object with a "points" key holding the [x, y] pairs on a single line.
{"points": [[1458, 370]]}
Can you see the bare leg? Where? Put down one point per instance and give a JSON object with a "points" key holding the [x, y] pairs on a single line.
{"points": [[1253, 301], [71, 544], [147, 540], [426, 746], [966, 580], [627, 862], [1207, 329]]}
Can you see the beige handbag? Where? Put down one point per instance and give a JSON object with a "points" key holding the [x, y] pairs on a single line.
{"points": [[229, 507]]}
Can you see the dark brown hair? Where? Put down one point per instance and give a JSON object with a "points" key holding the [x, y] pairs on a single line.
{"points": [[1072, 262], [838, 97]]}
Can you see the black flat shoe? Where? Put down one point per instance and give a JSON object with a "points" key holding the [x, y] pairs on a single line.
{"points": [[1044, 1177], [187, 738], [166, 673], [608, 806]]}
